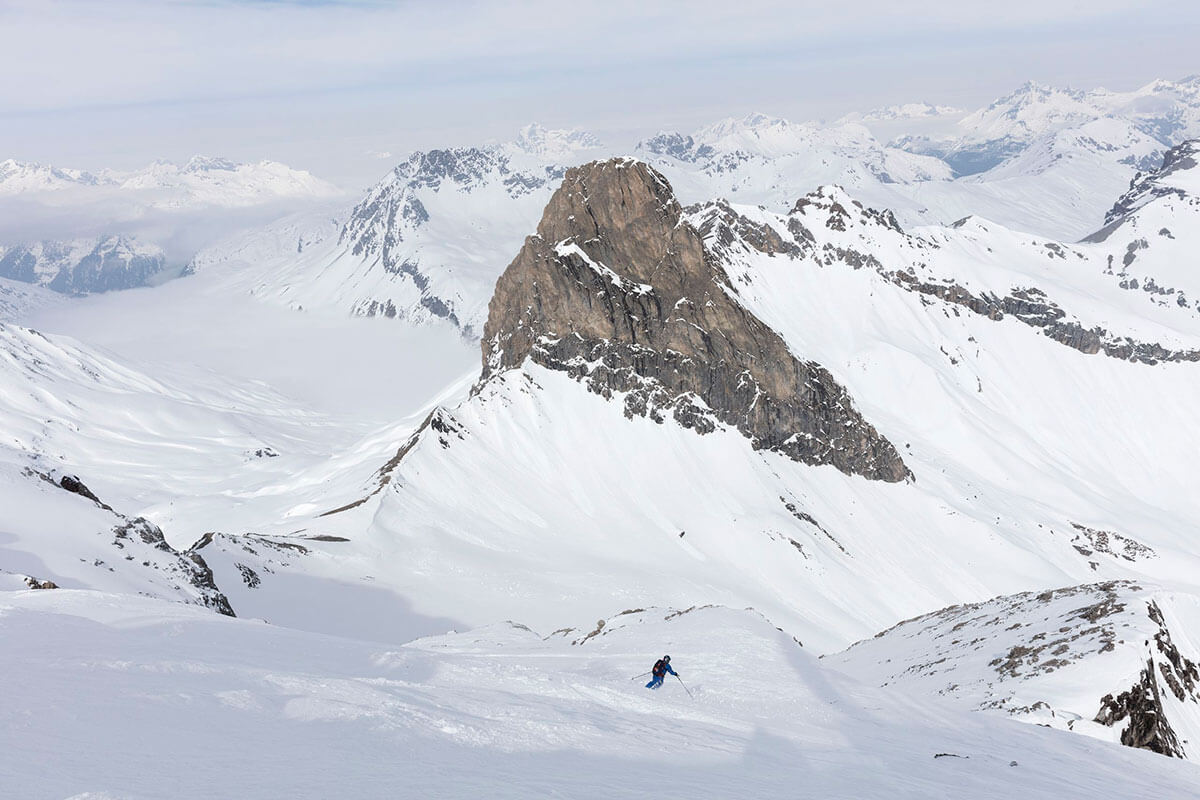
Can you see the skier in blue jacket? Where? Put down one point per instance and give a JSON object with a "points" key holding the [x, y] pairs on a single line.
{"points": [[661, 668]]}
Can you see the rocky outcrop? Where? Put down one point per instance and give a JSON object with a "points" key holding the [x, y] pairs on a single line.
{"points": [[1034, 308], [1140, 709], [139, 548], [857, 229], [1037, 656], [617, 290], [1147, 186], [188, 567]]}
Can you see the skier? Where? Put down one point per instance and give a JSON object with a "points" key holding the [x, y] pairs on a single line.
{"points": [[661, 668]]}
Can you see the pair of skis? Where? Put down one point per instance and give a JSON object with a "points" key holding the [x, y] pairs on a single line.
{"points": [[681, 683]]}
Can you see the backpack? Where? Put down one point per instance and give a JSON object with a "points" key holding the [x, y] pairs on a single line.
{"points": [[660, 668]]}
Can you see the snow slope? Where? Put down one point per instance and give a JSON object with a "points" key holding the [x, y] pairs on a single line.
{"points": [[500, 711], [1048, 657], [19, 299]]}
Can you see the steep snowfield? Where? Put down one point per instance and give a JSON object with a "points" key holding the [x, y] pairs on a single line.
{"points": [[254, 710]]}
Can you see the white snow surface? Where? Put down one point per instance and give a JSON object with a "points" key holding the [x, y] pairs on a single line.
{"points": [[252, 710]]}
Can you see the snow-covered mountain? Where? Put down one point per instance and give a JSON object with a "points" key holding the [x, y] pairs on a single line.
{"points": [[585, 457], [1165, 111], [424, 244], [85, 266], [109, 230], [17, 177], [902, 112], [637, 440], [201, 181], [769, 161], [751, 435]]}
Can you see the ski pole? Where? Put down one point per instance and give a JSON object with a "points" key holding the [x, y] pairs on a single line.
{"points": [[635, 677], [685, 688]]}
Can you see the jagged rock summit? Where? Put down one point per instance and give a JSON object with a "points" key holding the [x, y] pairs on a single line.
{"points": [[618, 290]]}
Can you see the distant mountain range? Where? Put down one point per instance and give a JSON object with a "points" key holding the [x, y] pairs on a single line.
{"points": [[428, 241], [201, 181]]}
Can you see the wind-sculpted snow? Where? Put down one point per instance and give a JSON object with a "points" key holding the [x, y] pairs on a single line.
{"points": [[1113, 660], [502, 710]]}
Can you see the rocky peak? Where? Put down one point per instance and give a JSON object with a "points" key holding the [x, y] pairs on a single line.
{"points": [[618, 290]]}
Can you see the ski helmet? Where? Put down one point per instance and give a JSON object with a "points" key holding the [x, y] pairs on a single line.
{"points": [[666, 658]]}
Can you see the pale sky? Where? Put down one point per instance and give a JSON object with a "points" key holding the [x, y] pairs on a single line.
{"points": [[324, 85]]}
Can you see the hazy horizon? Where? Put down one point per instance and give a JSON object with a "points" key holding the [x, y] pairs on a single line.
{"points": [[328, 86]]}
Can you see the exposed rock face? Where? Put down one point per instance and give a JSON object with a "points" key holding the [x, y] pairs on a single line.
{"points": [[1142, 704], [618, 291]]}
